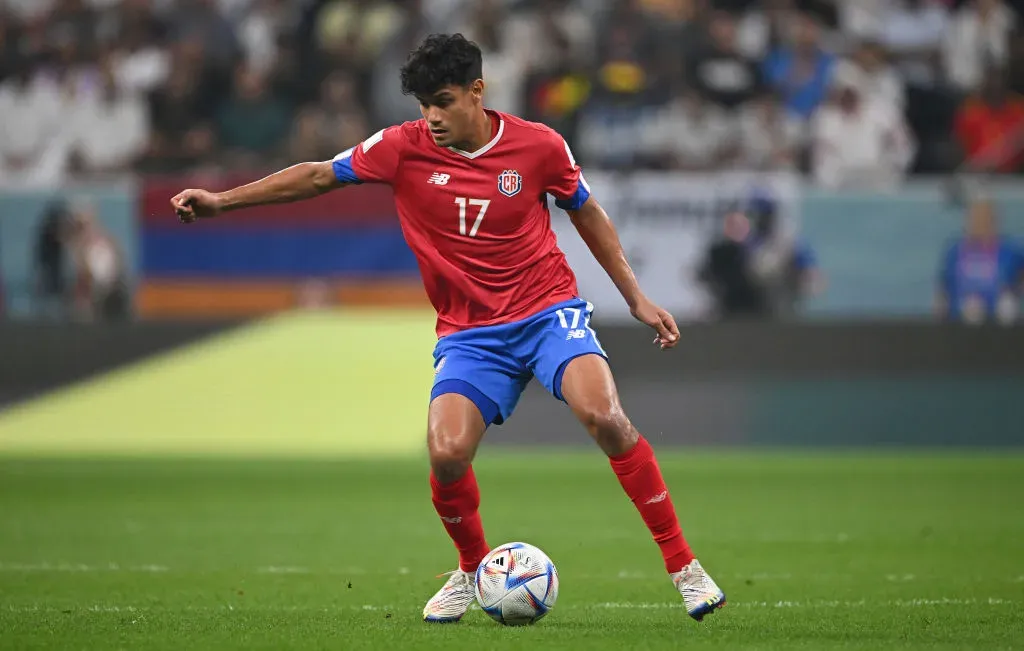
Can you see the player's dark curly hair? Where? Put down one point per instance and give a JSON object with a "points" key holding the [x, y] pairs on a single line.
{"points": [[441, 60]]}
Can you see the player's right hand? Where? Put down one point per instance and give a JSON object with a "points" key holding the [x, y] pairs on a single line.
{"points": [[191, 205]]}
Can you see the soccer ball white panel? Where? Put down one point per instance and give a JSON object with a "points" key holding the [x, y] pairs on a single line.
{"points": [[516, 583]]}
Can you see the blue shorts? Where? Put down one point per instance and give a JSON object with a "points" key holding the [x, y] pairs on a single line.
{"points": [[491, 365]]}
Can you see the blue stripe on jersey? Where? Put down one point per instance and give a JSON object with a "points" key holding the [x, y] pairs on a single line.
{"points": [[343, 171], [576, 201]]}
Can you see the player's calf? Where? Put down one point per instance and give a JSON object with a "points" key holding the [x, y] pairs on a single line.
{"points": [[454, 430]]}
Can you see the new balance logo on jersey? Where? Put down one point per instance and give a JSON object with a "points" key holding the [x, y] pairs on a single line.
{"points": [[660, 497], [438, 178], [455, 520]]}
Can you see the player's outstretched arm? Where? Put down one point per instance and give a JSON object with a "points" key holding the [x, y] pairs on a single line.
{"points": [[597, 230], [302, 181]]}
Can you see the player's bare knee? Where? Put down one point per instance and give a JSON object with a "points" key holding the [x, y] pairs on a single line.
{"points": [[450, 455], [611, 429]]}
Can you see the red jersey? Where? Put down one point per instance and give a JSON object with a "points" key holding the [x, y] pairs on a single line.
{"points": [[987, 133], [478, 222]]}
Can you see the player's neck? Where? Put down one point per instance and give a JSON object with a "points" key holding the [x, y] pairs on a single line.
{"points": [[483, 132]]}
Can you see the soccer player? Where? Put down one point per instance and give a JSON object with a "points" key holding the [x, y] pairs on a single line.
{"points": [[470, 187]]}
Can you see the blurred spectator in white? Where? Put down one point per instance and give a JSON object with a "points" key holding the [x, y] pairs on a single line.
{"points": [[252, 123], [977, 39], [692, 134], [544, 26], [770, 137], [723, 75], [913, 33], [29, 10], [505, 64], [764, 26], [989, 127], [34, 147], [141, 59], [101, 283], [863, 19], [875, 79], [111, 127], [981, 274], [858, 143], [260, 30], [801, 72]]}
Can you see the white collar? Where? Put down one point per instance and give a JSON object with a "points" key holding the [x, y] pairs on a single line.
{"points": [[486, 148]]}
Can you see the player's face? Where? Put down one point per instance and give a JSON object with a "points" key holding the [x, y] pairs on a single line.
{"points": [[981, 221], [449, 113]]}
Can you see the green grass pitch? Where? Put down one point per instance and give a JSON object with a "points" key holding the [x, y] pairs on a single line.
{"points": [[843, 551]]}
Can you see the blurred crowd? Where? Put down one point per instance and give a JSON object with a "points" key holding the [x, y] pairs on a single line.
{"points": [[854, 93]]}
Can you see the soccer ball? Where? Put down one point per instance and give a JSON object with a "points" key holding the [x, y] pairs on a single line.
{"points": [[516, 584]]}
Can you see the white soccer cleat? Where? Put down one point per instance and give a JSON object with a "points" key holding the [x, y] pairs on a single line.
{"points": [[453, 600], [701, 594]]}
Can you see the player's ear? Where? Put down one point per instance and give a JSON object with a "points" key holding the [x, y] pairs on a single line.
{"points": [[477, 89]]}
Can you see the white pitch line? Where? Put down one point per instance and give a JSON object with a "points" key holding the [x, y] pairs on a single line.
{"points": [[610, 605], [899, 578], [898, 603], [283, 569], [81, 567]]}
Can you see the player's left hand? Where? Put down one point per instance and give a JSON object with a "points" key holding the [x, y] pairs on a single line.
{"points": [[650, 314]]}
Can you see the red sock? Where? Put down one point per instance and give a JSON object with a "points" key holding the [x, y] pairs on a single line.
{"points": [[641, 478], [457, 504]]}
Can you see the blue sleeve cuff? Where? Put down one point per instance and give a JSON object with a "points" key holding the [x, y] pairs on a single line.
{"points": [[343, 171], [576, 201]]}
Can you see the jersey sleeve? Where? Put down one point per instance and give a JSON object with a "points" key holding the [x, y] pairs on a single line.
{"points": [[565, 180], [375, 160]]}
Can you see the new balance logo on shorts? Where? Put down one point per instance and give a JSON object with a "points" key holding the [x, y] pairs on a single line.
{"points": [[438, 178], [455, 520], [576, 334]]}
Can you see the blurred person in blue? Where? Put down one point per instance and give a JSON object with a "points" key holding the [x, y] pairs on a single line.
{"points": [[981, 277], [758, 268], [801, 71], [782, 263]]}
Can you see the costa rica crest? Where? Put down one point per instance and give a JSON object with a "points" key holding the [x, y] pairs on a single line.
{"points": [[510, 182]]}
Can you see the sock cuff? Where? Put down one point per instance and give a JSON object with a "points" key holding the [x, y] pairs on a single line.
{"points": [[455, 488], [634, 459]]}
